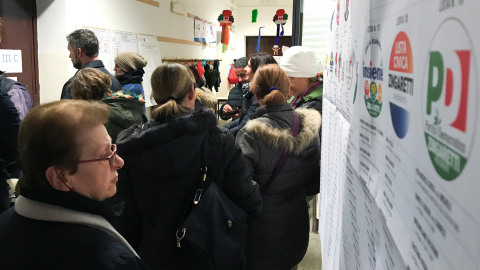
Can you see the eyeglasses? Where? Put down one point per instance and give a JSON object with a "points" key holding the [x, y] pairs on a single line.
{"points": [[111, 158]]}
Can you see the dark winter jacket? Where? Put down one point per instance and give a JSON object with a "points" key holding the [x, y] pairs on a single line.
{"points": [[61, 230], [98, 64], [162, 169], [15, 102], [249, 111], [125, 113], [131, 81], [235, 96], [204, 97], [278, 238]]}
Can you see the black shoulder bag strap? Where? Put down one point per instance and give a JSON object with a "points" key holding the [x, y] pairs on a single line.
{"points": [[202, 185], [284, 157]]}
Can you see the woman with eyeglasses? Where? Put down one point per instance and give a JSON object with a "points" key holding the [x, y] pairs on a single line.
{"points": [[69, 167], [162, 169]]}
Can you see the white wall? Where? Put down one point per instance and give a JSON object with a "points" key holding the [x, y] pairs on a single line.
{"points": [[58, 18]]}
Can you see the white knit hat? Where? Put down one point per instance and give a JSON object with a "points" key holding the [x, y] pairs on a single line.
{"points": [[299, 62]]}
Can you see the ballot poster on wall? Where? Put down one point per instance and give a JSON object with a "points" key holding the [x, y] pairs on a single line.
{"points": [[148, 48], [400, 136], [114, 42]]}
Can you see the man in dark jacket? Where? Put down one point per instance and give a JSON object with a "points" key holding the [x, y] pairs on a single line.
{"points": [[235, 96], [83, 46], [10, 119]]}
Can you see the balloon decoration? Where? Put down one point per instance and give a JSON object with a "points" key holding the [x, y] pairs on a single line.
{"points": [[279, 19], [226, 20]]}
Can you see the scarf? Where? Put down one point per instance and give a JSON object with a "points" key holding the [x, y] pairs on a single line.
{"points": [[135, 76]]}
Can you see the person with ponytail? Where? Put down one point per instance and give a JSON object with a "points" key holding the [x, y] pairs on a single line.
{"points": [[162, 168], [278, 239]]}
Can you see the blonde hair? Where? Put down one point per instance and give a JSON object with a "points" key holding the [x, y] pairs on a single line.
{"points": [[50, 135], [265, 80], [170, 84], [90, 84]]}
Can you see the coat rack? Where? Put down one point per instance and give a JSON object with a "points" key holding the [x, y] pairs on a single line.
{"points": [[186, 60]]}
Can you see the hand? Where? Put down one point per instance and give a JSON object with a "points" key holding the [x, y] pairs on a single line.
{"points": [[227, 108]]}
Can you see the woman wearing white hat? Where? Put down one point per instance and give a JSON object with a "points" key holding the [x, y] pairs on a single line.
{"points": [[306, 84]]}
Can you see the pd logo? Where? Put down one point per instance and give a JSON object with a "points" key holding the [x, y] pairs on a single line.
{"points": [[373, 76], [451, 99], [400, 84]]}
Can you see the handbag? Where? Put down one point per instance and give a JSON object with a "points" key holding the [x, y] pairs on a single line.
{"points": [[284, 157], [213, 229]]}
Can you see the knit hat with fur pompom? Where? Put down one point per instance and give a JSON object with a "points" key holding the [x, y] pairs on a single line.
{"points": [[130, 61]]}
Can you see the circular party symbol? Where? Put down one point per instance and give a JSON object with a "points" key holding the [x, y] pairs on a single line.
{"points": [[373, 76], [451, 99]]}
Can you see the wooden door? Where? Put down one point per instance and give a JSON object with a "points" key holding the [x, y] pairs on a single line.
{"points": [[266, 44], [19, 32]]}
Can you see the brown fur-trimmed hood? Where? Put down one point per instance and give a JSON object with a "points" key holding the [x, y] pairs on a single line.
{"points": [[282, 139], [206, 98]]}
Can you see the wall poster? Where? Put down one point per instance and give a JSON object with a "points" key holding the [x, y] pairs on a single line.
{"points": [[400, 142], [113, 42]]}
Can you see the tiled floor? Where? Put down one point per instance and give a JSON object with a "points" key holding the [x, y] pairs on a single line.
{"points": [[313, 258]]}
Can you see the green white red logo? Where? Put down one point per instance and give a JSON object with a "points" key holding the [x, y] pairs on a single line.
{"points": [[373, 76], [451, 99]]}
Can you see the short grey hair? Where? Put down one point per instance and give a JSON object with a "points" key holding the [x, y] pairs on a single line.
{"points": [[84, 39], [241, 62]]}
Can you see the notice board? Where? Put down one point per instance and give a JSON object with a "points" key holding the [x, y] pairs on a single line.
{"points": [[400, 184]]}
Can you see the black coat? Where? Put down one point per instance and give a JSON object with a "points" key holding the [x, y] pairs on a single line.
{"points": [[249, 111], [28, 241], [98, 64], [125, 113], [278, 238], [235, 98], [162, 168], [10, 119]]}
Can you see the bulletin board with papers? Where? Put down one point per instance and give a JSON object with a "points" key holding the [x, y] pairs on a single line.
{"points": [[400, 136], [113, 42]]}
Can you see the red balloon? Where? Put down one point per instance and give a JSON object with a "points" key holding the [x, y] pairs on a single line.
{"points": [[280, 12]]}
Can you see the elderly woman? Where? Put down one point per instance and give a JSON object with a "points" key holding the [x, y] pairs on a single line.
{"points": [[306, 85], [163, 167], [69, 167], [278, 239], [92, 84]]}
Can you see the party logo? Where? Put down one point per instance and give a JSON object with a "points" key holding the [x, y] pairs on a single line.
{"points": [[400, 82], [373, 76], [451, 99]]}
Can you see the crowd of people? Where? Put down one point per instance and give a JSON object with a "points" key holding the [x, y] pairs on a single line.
{"points": [[103, 187]]}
